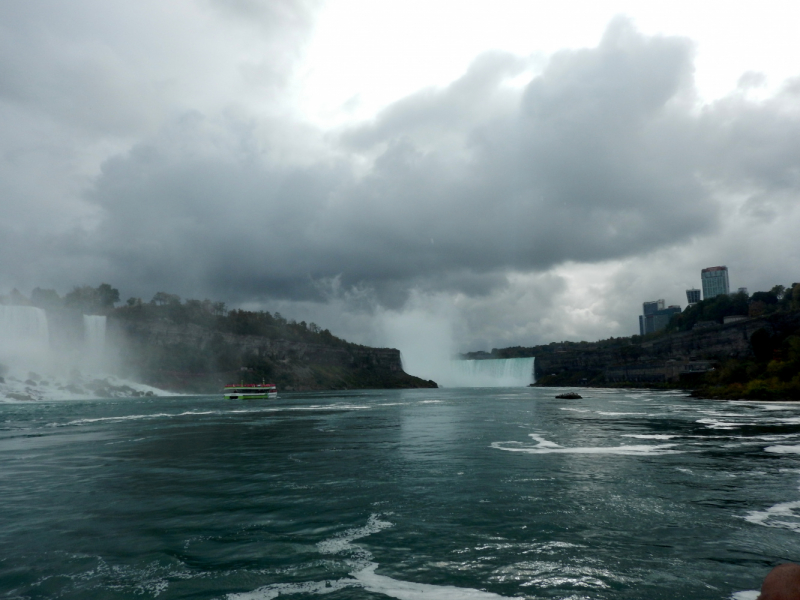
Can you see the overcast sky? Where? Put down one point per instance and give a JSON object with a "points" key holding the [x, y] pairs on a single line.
{"points": [[484, 174]]}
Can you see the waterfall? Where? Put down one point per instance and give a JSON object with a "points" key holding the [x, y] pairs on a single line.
{"points": [[504, 372], [24, 334], [94, 331]]}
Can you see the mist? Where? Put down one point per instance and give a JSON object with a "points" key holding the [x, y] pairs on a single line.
{"points": [[60, 354], [424, 337]]}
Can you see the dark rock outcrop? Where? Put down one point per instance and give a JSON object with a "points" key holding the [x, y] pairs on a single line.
{"points": [[188, 357]]}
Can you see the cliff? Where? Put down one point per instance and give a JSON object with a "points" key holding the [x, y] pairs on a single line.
{"points": [[675, 358], [192, 358]]}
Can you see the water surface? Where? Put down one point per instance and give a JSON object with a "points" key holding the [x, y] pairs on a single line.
{"points": [[420, 494]]}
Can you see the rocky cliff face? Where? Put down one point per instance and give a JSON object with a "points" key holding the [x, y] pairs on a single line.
{"points": [[667, 358], [194, 358]]}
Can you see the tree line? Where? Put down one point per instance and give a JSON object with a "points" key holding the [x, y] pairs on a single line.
{"points": [[777, 299], [103, 300]]}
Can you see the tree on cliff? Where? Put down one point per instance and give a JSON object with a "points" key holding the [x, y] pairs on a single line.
{"points": [[91, 300], [163, 299], [713, 309], [46, 298]]}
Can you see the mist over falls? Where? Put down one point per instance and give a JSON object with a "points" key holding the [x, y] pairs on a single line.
{"points": [[41, 350], [94, 329], [501, 372], [33, 338], [24, 335]]}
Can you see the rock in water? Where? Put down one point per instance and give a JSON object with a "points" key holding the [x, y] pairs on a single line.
{"points": [[569, 396]]}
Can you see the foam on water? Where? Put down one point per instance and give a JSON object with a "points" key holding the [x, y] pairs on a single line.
{"points": [[55, 388], [309, 587], [407, 590], [785, 515], [547, 447], [364, 576], [783, 449], [743, 421], [344, 541]]}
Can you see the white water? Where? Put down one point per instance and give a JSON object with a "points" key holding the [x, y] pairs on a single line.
{"points": [[363, 575], [36, 372], [94, 332], [24, 337], [501, 372]]}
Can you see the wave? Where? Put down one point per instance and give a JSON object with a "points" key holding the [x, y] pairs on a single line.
{"points": [[544, 446], [364, 576], [785, 515], [783, 449]]}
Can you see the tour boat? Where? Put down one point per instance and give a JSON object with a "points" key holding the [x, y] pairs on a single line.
{"points": [[246, 391]]}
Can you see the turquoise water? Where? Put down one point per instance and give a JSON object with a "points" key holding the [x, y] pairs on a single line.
{"points": [[422, 494]]}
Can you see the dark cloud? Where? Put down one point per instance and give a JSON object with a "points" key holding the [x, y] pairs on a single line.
{"points": [[754, 147], [83, 81], [602, 156]]}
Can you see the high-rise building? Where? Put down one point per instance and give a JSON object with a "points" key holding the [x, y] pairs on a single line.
{"points": [[662, 317], [715, 281], [655, 317], [693, 296], [649, 308], [743, 290]]}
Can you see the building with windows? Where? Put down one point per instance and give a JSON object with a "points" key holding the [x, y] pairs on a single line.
{"points": [[651, 308], [656, 317], [693, 296], [715, 281]]}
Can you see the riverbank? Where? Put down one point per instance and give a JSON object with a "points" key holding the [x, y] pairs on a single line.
{"points": [[752, 359]]}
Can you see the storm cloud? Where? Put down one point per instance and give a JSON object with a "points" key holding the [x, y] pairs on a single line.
{"points": [[604, 154]]}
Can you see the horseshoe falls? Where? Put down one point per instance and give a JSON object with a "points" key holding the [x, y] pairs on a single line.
{"points": [[501, 372]]}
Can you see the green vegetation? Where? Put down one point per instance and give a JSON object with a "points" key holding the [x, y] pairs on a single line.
{"points": [[778, 299], [103, 299], [773, 373], [214, 316], [714, 309], [621, 344]]}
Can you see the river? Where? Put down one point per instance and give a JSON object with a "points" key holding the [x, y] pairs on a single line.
{"points": [[416, 495]]}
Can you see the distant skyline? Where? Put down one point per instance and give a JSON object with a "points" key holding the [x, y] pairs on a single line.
{"points": [[473, 176]]}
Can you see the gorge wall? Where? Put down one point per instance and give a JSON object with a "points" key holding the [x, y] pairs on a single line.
{"points": [[189, 357], [665, 358]]}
